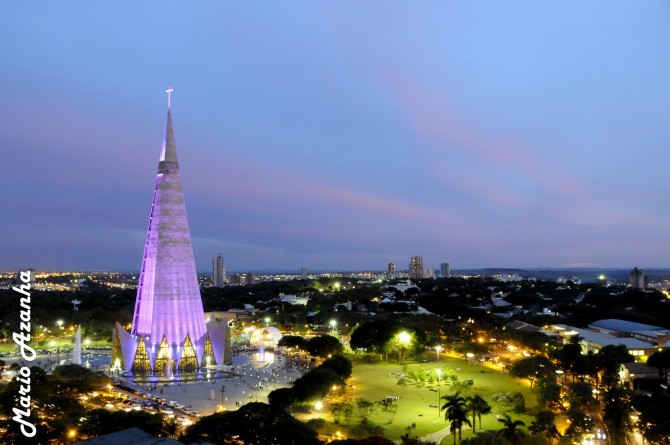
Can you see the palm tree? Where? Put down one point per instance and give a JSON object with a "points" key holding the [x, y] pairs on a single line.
{"points": [[477, 406], [455, 411], [510, 430]]}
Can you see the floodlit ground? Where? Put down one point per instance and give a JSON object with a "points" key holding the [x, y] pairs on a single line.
{"points": [[375, 381]]}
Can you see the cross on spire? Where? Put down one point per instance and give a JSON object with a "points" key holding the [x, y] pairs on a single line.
{"points": [[169, 93]]}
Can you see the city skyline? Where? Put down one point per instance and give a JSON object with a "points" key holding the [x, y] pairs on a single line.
{"points": [[340, 138]]}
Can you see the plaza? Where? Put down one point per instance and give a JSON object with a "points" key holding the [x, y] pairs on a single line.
{"points": [[251, 377]]}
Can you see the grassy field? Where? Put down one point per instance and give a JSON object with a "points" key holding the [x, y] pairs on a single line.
{"points": [[374, 381]]}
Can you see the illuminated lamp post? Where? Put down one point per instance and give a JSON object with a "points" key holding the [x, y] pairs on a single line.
{"points": [[404, 338], [439, 390], [438, 348], [318, 405], [333, 323]]}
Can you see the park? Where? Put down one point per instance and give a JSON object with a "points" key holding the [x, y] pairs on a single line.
{"points": [[405, 397]]}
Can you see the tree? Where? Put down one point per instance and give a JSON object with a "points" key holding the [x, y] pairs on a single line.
{"points": [[484, 438], [580, 395], [102, 421], [293, 341], [455, 411], [501, 398], [478, 407], [545, 425], [660, 360], [510, 430], [324, 345], [315, 384], [170, 427], [533, 368], [340, 364], [617, 414], [390, 411], [518, 402], [373, 335], [548, 393], [581, 424], [364, 408], [281, 398], [608, 361], [401, 343], [463, 386], [570, 355], [654, 422], [336, 410], [75, 379], [256, 423]]}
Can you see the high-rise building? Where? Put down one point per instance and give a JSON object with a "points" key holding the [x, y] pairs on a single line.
{"points": [[249, 279], [637, 278], [445, 270], [218, 271], [416, 267], [169, 334], [391, 271], [303, 273]]}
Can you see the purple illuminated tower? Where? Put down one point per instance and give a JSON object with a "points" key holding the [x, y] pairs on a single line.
{"points": [[169, 332]]}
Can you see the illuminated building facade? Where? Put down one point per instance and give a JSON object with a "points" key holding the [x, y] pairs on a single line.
{"points": [[169, 333], [416, 267]]}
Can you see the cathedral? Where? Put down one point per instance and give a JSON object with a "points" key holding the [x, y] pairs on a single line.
{"points": [[169, 334]]}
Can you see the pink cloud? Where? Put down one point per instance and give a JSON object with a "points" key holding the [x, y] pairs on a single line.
{"points": [[437, 123]]}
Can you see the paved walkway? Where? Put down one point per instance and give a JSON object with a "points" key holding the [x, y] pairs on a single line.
{"points": [[438, 436], [251, 379]]}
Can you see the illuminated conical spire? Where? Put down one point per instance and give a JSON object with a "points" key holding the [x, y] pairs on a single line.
{"points": [[168, 302]]}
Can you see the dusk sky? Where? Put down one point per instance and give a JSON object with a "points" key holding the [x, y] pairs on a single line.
{"points": [[339, 135]]}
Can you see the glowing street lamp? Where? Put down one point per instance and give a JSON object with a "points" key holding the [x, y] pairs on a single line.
{"points": [[439, 390], [318, 405], [267, 321], [438, 348], [72, 434], [333, 323], [60, 324], [404, 339]]}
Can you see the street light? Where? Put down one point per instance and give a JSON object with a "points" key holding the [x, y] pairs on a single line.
{"points": [[318, 405], [333, 323], [404, 338], [438, 371], [438, 348], [267, 321]]}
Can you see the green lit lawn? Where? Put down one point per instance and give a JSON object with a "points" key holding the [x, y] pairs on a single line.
{"points": [[65, 342], [372, 381]]}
